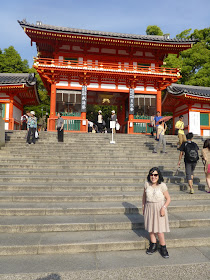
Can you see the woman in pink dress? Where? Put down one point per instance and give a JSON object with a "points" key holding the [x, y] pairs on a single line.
{"points": [[206, 161], [155, 201]]}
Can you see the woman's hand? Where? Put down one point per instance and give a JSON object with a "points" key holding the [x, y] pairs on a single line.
{"points": [[143, 210], [162, 212]]}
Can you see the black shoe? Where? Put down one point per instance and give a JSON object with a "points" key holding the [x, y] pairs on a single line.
{"points": [[152, 248], [164, 252], [154, 152]]}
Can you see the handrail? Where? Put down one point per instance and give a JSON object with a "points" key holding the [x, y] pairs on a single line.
{"points": [[103, 66]]}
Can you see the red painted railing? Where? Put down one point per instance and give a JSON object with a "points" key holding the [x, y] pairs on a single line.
{"points": [[103, 67]]}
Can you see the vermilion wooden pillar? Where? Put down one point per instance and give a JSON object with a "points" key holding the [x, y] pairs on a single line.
{"points": [[158, 102], [52, 107], [11, 123], [83, 127]]}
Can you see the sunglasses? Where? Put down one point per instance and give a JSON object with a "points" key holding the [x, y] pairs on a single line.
{"points": [[155, 175]]}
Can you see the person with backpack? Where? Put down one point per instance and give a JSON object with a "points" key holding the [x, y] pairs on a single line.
{"points": [[190, 151], [24, 120]]}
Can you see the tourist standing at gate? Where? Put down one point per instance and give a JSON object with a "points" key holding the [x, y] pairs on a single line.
{"points": [[59, 126], [180, 127], [114, 119], [190, 151], [155, 201], [160, 137], [100, 121], [152, 124], [32, 127], [206, 162]]}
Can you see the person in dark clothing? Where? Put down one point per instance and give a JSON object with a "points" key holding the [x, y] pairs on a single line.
{"points": [[24, 120], [190, 151], [60, 124]]}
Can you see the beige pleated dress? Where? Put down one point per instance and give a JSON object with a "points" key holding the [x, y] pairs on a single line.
{"points": [[155, 199], [206, 156]]}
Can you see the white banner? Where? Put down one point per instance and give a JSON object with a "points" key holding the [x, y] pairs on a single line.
{"points": [[194, 123]]}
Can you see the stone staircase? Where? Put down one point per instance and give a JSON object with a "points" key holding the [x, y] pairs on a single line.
{"points": [[84, 195]]}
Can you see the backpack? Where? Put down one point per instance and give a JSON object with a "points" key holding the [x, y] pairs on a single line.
{"points": [[24, 118], [191, 152]]}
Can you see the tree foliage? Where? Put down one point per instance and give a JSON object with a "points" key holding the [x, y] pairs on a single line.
{"points": [[11, 62], [195, 62], [154, 30]]}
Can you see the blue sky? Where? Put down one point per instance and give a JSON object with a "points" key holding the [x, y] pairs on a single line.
{"points": [[131, 16]]}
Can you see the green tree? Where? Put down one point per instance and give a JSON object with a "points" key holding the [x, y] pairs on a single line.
{"points": [[184, 34], [11, 62], [195, 62], [154, 30]]}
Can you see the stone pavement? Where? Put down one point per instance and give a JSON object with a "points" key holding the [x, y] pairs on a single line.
{"points": [[184, 263]]}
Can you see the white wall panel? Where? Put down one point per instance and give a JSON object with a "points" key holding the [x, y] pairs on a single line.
{"points": [[62, 83], [93, 85], [16, 113], [7, 111], [150, 89], [108, 86], [75, 84]]}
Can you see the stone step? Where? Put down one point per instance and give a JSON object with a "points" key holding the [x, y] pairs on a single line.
{"points": [[96, 241], [77, 165], [49, 197], [94, 172], [95, 222], [91, 179], [87, 187], [96, 208]]}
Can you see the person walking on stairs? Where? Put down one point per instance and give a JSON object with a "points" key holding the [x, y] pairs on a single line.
{"points": [[155, 201], [206, 162], [60, 124], [190, 151], [180, 128], [160, 137]]}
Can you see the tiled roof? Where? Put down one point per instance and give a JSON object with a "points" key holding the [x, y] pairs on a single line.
{"points": [[153, 38], [17, 78], [177, 89]]}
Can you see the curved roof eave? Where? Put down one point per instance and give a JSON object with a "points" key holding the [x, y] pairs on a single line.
{"points": [[152, 38], [197, 91]]}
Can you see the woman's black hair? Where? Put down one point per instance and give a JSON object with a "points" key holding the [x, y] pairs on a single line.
{"points": [[160, 179], [206, 144], [61, 114]]}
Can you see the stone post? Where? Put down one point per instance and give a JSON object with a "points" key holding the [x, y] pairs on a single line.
{"points": [[2, 129]]}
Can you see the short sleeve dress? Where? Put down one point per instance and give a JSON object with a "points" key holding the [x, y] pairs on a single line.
{"points": [[206, 156], [155, 199]]}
